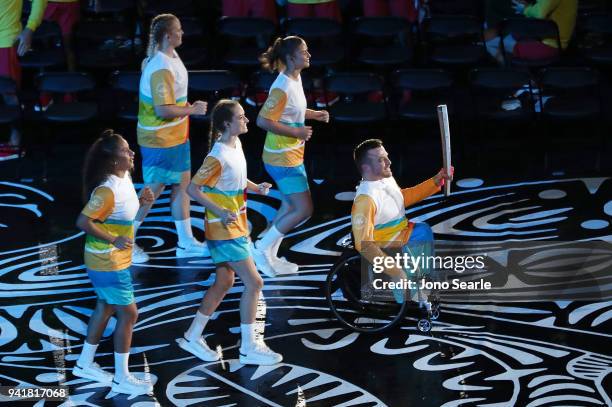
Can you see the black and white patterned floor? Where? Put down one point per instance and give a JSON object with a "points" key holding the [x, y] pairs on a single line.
{"points": [[527, 353]]}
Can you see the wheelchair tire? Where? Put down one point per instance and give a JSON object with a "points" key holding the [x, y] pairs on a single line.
{"points": [[343, 293]]}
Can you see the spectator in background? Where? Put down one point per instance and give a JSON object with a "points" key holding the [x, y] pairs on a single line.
{"points": [[250, 8], [396, 8], [15, 40], [562, 12], [66, 13], [314, 8]]}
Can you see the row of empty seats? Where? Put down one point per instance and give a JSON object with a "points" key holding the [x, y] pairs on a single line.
{"points": [[359, 97]]}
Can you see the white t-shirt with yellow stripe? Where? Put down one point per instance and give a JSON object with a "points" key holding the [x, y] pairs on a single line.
{"points": [[223, 176], [378, 213], [286, 104], [164, 81], [113, 205]]}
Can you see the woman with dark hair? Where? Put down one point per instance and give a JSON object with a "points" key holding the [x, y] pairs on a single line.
{"points": [[108, 219], [224, 181], [283, 116], [163, 131]]}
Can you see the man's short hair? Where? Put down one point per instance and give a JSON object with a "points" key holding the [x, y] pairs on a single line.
{"points": [[361, 151]]}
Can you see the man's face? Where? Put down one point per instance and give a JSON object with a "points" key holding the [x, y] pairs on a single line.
{"points": [[378, 163]]}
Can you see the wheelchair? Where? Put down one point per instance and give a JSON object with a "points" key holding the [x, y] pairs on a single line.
{"points": [[343, 291]]}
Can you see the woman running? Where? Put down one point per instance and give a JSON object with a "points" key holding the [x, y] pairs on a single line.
{"points": [[224, 181], [163, 131], [108, 221], [283, 116]]}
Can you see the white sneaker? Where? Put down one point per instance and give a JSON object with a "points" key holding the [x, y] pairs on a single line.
{"points": [[260, 354], [193, 249], [93, 372], [131, 385], [263, 262], [511, 104], [199, 349], [284, 266], [139, 255]]}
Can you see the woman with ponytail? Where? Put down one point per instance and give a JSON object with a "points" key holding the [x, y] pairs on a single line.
{"points": [[220, 185], [163, 131], [108, 219], [283, 116]]}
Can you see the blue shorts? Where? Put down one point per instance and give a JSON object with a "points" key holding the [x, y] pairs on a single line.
{"points": [[290, 180], [223, 251], [113, 287], [421, 243], [421, 232], [165, 165]]}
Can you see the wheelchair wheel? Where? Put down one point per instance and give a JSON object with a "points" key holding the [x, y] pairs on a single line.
{"points": [[343, 293]]}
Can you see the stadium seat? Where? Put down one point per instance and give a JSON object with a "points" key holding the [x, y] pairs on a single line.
{"points": [[453, 41], [126, 86], [530, 29], [382, 42], [104, 45], [211, 86], [245, 40], [354, 106], [47, 50], [420, 91], [323, 37]]}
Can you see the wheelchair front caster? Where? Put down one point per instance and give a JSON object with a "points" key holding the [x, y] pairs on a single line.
{"points": [[424, 325]]}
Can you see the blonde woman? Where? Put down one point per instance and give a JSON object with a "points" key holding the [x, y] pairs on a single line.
{"points": [[163, 131]]}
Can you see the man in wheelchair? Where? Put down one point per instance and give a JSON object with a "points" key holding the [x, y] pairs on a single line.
{"points": [[378, 215]]}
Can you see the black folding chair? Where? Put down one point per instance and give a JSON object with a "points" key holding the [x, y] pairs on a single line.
{"points": [[47, 50], [574, 94], [193, 51], [126, 88], [324, 38], [79, 86], [9, 114], [571, 105], [114, 7], [180, 8], [245, 39], [420, 91], [211, 86], [453, 41], [61, 83], [599, 27], [354, 106], [104, 45], [383, 42], [533, 29], [502, 95]]}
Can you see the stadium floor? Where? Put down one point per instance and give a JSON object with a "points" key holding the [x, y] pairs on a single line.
{"points": [[493, 353]]}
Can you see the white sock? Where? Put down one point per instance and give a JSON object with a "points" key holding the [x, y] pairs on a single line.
{"points": [[276, 247], [197, 326], [183, 229], [137, 224], [247, 334], [269, 240], [87, 355], [121, 366]]}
